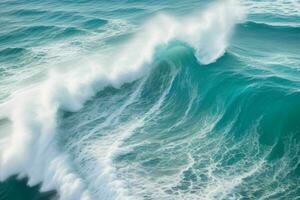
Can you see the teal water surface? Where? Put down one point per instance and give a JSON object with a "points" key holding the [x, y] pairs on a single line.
{"points": [[227, 129]]}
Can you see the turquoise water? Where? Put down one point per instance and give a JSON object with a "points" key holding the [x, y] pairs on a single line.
{"points": [[149, 100]]}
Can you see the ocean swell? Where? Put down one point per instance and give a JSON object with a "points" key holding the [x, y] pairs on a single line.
{"points": [[31, 149]]}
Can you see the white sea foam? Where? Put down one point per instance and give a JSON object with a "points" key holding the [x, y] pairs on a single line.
{"points": [[31, 149]]}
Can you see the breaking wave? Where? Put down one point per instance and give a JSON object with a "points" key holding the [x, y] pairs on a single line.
{"points": [[178, 111], [32, 149]]}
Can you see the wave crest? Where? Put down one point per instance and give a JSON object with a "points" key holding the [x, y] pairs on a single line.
{"points": [[31, 149]]}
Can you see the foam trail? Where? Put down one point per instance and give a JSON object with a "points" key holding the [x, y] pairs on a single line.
{"points": [[31, 150]]}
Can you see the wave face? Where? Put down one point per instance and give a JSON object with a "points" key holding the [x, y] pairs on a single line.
{"points": [[150, 100]]}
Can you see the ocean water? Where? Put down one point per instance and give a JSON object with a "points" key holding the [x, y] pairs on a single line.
{"points": [[148, 100]]}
